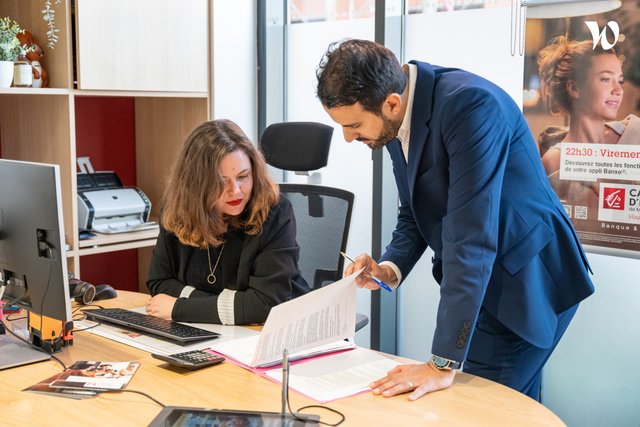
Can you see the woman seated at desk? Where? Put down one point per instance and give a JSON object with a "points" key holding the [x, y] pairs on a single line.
{"points": [[227, 250]]}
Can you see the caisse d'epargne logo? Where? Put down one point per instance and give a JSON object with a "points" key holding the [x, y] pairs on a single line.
{"points": [[613, 198]]}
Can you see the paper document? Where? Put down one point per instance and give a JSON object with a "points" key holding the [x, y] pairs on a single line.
{"points": [[243, 351], [338, 375], [326, 316]]}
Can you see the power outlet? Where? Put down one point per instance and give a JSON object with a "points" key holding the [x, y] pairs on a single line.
{"points": [[44, 249]]}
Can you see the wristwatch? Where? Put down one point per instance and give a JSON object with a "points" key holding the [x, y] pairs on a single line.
{"points": [[444, 364]]}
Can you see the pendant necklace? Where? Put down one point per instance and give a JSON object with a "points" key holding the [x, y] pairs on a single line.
{"points": [[211, 278]]}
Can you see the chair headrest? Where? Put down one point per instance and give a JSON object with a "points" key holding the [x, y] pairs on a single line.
{"points": [[297, 146]]}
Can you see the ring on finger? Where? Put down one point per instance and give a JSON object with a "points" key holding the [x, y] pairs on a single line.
{"points": [[411, 386]]}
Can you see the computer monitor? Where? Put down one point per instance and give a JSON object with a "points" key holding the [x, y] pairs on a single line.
{"points": [[33, 262]]}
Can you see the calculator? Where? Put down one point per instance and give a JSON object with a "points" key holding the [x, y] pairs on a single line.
{"points": [[193, 359]]}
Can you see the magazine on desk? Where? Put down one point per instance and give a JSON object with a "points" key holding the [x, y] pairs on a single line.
{"points": [[44, 387], [81, 379], [97, 375]]}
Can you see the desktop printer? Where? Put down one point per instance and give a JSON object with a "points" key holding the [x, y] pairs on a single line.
{"points": [[105, 206]]}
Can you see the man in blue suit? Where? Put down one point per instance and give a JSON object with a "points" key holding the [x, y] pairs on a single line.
{"points": [[472, 187]]}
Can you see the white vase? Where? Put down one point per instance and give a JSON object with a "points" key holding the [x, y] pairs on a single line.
{"points": [[6, 73]]}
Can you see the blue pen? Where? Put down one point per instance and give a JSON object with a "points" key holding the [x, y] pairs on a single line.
{"points": [[378, 281]]}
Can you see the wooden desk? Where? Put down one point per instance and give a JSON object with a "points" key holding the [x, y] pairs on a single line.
{"points": [[471, 401]]}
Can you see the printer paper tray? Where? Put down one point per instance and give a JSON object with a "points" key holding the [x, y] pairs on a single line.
{"points": [[140, 227]]}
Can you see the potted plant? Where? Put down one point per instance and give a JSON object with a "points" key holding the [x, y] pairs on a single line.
{"points": [[9, 49]]}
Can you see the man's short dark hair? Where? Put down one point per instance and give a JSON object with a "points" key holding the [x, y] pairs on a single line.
{"points": [[358, 71]]}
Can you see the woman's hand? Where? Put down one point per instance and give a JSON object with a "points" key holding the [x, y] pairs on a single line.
{"points": [[372, 268], [419, 379], [161, 306]]}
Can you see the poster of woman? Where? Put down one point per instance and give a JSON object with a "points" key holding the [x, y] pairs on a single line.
{"points": [[582, 103]]}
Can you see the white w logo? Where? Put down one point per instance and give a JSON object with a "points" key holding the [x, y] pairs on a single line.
{"points": [[602, 36]]}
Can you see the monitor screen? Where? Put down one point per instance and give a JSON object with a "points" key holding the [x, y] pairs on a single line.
{"points": [[33, 262]]}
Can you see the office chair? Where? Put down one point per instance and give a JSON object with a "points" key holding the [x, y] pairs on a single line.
{"points": [[323, 214]]}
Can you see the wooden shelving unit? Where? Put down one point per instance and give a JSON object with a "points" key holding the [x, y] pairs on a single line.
{"points": [[40, 124]]}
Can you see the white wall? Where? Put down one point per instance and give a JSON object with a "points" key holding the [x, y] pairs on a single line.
{"points": [[350, 166], [592, 379], [235, 76], [481, 44]]}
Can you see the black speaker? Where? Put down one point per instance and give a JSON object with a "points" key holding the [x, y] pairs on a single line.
{"points": [[81, 291]]}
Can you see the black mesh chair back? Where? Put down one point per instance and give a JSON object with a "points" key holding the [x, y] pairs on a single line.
{"points": [[297, 146], [323, 216]]}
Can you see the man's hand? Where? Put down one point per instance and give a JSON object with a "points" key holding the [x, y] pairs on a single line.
{"points": [[419, 379], [372, 268], [161, 306]]}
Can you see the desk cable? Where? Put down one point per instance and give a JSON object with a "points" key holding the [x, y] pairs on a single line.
{"points": [[100, 390], [29, 343], [285, 397], [124, 390], [335, 411], [34, 346], [64, 367], [84, 317]]}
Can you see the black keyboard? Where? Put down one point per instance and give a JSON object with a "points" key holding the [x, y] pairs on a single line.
{"points": [[174, 331]]}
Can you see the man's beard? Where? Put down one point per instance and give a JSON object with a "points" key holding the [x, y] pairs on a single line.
{"points": [[387, 134]]}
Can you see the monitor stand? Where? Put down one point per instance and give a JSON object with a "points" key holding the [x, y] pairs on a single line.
{"points": [[14, 352]]}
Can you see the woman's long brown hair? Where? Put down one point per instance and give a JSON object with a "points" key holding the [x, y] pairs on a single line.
{"points": [[195, 185]]}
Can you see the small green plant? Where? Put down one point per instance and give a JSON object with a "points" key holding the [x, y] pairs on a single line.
{"points": [[9, 43], [49, 15]]}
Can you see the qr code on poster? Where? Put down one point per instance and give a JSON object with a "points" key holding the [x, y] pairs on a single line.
{"points": [[580, 212], [567, 209]]}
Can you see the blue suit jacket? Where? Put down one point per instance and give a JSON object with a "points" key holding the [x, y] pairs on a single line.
{"points": [[475, 191]]}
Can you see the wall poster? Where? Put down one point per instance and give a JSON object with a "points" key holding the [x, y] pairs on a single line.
{"points": [[582, 102]]}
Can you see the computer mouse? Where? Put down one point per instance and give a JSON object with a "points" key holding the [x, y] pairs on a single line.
{"points": [[105, 292]]}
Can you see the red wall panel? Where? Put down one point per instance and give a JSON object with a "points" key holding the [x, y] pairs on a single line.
{"points": [[105, 132]]}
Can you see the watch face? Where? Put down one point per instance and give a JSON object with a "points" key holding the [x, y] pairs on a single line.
{"points": [[440, 362]]}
